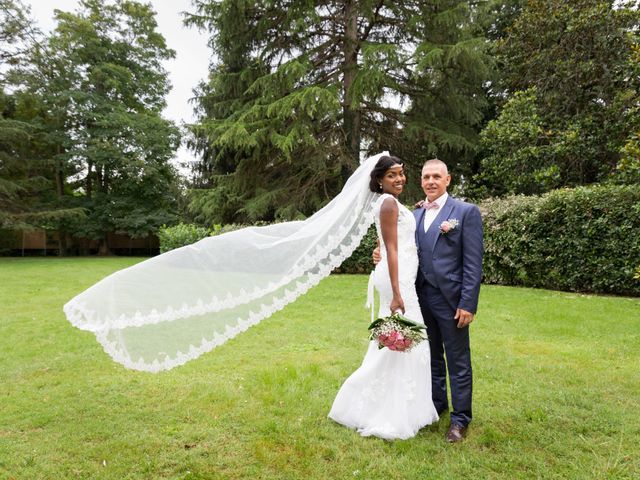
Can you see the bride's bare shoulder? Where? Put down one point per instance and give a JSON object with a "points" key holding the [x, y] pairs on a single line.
{"points": [[389, 205]]}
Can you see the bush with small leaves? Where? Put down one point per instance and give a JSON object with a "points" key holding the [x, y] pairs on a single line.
{"points": [[582, 239]]}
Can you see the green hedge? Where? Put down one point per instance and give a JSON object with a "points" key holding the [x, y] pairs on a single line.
{"points": [[360, 260], [180, 235], [584, 239], [185, 234]]}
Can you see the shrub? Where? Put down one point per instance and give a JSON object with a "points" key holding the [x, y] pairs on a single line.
{"points": [[582, 239], [518, 157], [186, 233], [628, 168], [360, 260], [180, 235]]}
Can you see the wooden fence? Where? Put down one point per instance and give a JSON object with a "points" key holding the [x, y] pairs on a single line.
{"points": [[42, 242]]}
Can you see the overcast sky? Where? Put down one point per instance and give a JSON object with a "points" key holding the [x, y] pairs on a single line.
{"points": [[185, 71]]}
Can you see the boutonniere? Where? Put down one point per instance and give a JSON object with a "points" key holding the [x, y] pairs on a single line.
{"points": [[448, 225]]}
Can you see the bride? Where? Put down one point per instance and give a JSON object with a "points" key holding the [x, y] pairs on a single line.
{"points": [[389, 396]]}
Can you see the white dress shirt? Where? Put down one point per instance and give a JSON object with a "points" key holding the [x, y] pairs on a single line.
{"points": [[431, 214]]}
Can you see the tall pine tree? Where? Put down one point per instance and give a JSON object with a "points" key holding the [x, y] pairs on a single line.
{"points": [[300, 90]]}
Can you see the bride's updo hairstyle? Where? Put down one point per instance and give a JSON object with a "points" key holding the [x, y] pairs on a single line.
{"points": [[384, 164]]}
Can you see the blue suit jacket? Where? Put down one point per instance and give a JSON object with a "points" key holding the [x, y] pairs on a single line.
{"points": [[455, 257]]}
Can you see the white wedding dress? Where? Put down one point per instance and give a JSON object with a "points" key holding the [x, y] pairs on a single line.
{"points": [[389, 396]]}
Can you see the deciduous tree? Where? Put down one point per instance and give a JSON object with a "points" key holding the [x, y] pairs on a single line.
{"points": [[575, 60], [101, 78]]}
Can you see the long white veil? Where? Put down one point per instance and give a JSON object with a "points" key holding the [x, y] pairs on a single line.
{"points": [[172, 308]]}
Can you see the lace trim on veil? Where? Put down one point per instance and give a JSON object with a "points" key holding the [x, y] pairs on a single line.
{"points": [[120, 355]]}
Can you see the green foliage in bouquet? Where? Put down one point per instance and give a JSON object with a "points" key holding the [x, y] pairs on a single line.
{"points": [[397, 332], [400, 319]]}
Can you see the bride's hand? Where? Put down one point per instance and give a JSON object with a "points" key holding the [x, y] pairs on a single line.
{"points": [[396, 304]]}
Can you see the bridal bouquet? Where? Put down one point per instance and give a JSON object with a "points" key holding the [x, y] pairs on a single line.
{"points": [[397, 332]]}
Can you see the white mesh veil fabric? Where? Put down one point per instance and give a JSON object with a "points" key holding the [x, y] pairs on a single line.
{"points": [[172, 308]]}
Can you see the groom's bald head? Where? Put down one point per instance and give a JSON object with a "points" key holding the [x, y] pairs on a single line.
{"points": [[436, 162]]}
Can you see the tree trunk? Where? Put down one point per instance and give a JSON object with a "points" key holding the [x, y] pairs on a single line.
{"points": [[351, 112], [62, 243], [89, 186], [99, 180], [59, 179], [103, 246]]}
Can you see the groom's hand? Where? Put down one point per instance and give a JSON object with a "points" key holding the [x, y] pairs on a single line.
{"points": [[376, 254], [463, 317]]}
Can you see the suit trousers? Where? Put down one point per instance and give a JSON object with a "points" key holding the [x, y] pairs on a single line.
{"points": [[447, 340]]}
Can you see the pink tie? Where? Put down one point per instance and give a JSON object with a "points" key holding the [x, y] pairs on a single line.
{"points": [[430, 205]]}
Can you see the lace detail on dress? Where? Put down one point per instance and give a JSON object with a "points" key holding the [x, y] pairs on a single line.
{"points": [[389, 396], [407, 262]]}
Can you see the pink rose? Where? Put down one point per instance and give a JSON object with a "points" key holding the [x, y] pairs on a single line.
{"points": [[386, 341], [448, 225]]}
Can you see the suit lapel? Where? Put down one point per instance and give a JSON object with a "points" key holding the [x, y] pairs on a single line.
{"points": [[434, 229], [419, 214]]}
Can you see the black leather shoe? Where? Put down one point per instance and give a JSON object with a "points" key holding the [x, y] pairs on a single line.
{"points": [[456, 433]]}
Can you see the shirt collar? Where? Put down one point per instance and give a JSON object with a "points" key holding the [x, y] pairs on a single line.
{"points": [[441, 200]]}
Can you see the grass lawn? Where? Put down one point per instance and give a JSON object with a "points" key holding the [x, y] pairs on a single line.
{"points": [[556, 391]]}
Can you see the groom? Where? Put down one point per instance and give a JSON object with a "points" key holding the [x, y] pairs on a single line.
{"points": [[449, 240]]}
